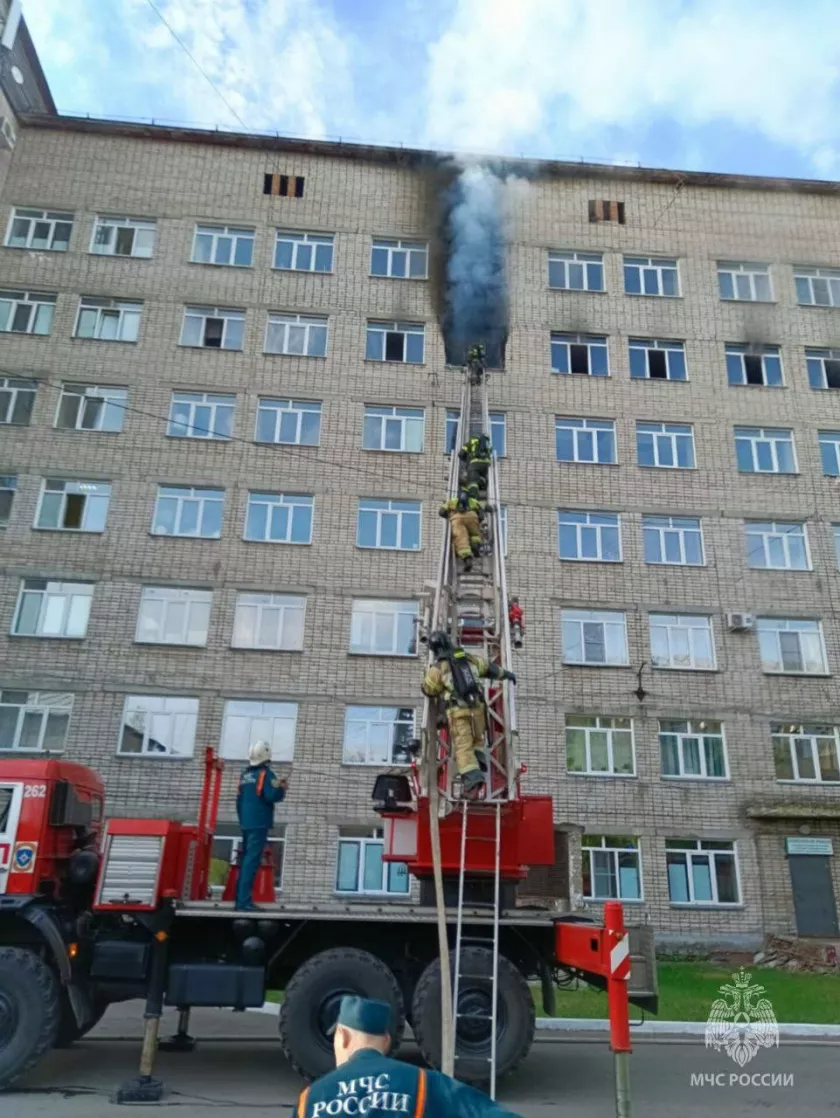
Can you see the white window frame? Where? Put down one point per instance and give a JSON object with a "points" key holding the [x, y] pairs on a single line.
{"points": [[815, 362], [778, 625], [696, 729], [41, 704], [70, 597], [377, 716], [608, 726], [810, 281], [231, 833], [658, 345], [411, 250], [383, 329], [383, 507], [127, 318], [87, 489], [589, 525], [577, 426], [272, 720], [363, 842], [617, 619], [733, 352], [180, 710], [666, 435], [691, 625], [225, 315], [14, 388], [711, 848], [140, 226], [769, 435], [738, 269], [181, 494], [298, 239], [393, 415], [291, 501], [498, 433], [655, 266], [835, 530], [115, 401], [39, 322], [503, 523], [8, 484], [829, 440], [306, 329], [274, 609], [561, 353], [779, 532], [667, 526], [282, 406], [35, 218], [167, 602], [219, 405], [220, 233], [375, 608], [583, 265], [609, 847], [788, 736]]}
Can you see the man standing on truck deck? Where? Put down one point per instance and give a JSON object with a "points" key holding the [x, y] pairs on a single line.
{"points": [[259, 791], [367, 1082]]}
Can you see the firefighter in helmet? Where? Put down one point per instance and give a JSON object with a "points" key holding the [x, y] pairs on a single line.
{"points": [[454, 679], [476, 357], [462, 512], [475, 455], [259, 791]]}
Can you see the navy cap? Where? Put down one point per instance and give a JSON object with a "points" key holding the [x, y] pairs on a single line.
{"points": [[365, 1015]]}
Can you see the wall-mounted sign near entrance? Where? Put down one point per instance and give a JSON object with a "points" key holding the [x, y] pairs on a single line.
{"points": [[809, 846]]}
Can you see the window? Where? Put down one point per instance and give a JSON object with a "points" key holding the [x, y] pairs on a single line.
{"points": [[453, 416], [611, 868], [667, 446], [108, 320], [295, 422], [39, 230], [806, 753], [17, 399], [296, 335], [158, 726], [395, 341], [26, 312], [399, 259], [823, 368], [393, 525], [383, 628], [776, 545], [227, 842], [279, 518], [835, 527], [213, 328], [393, 429], [269, 621], [360, 867], [599, 210], [657, 360], [73, 506], [223, 244], [378, 735], [303, 252], [173, 616], [91, 407], [682, 641], [34, 721], [8, 485], [201, 415], [791, 646], [52, 609], [599, 745], [498, 433], [817, 287], [503, 518], [754, 364], [744, 281], [694, 748], [579, 353], [188, 511], [702, 872], [246, 721], [673, 539], [589, 536], [585, 440], [123, 236], [765, 450], [644, 275], [830, 452], [283, 186], [576, 271], [592, 636]]}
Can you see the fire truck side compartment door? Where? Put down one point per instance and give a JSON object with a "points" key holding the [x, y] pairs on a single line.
{"points": [[11, 801]]}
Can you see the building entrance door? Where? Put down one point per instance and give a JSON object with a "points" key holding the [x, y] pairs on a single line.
{"points": [[813, 895]]}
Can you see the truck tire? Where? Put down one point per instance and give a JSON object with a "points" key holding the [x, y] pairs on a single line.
{"points": [[30, 1010], [515, 1019], [312, 997]]}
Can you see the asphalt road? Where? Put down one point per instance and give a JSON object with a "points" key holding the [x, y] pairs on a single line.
{"points": [[238, 1068]]}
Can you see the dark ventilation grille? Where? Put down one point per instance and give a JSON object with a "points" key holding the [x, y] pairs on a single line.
{"points": [[283, 186], [606, 211]]}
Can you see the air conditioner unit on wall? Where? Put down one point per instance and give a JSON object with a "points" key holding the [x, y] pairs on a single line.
{"points": [[7, 134], [740, 622]]}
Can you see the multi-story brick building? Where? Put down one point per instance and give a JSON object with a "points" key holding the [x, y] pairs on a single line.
{"points": [[221, 474]]}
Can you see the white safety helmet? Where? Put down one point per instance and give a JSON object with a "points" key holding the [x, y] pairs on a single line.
{"points": [[259, 753]]}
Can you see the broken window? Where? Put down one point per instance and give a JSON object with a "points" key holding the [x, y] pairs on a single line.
{"points": [[601, 210], [755, 365], [283, 186]]}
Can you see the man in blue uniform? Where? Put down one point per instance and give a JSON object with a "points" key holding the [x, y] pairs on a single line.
{"points": [[259, 791], [367, 1083]]}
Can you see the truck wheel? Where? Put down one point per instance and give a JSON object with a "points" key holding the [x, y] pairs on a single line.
{"points": [[29, 1012], [515, 1016], [312, 998], [68, 1029]]}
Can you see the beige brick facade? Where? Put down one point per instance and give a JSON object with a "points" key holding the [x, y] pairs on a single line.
{"points": [[180, 183]]}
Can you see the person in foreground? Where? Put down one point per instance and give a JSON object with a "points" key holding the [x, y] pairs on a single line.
{"points": [[366, 1081]]}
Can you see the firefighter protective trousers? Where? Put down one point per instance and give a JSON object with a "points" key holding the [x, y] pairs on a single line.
{"points": [[466, 532]]}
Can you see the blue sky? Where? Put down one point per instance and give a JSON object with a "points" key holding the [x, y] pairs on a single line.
{"points": [[747, 86]]}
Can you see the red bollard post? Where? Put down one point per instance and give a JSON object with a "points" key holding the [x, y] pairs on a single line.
{"points": [[618, 976]]}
